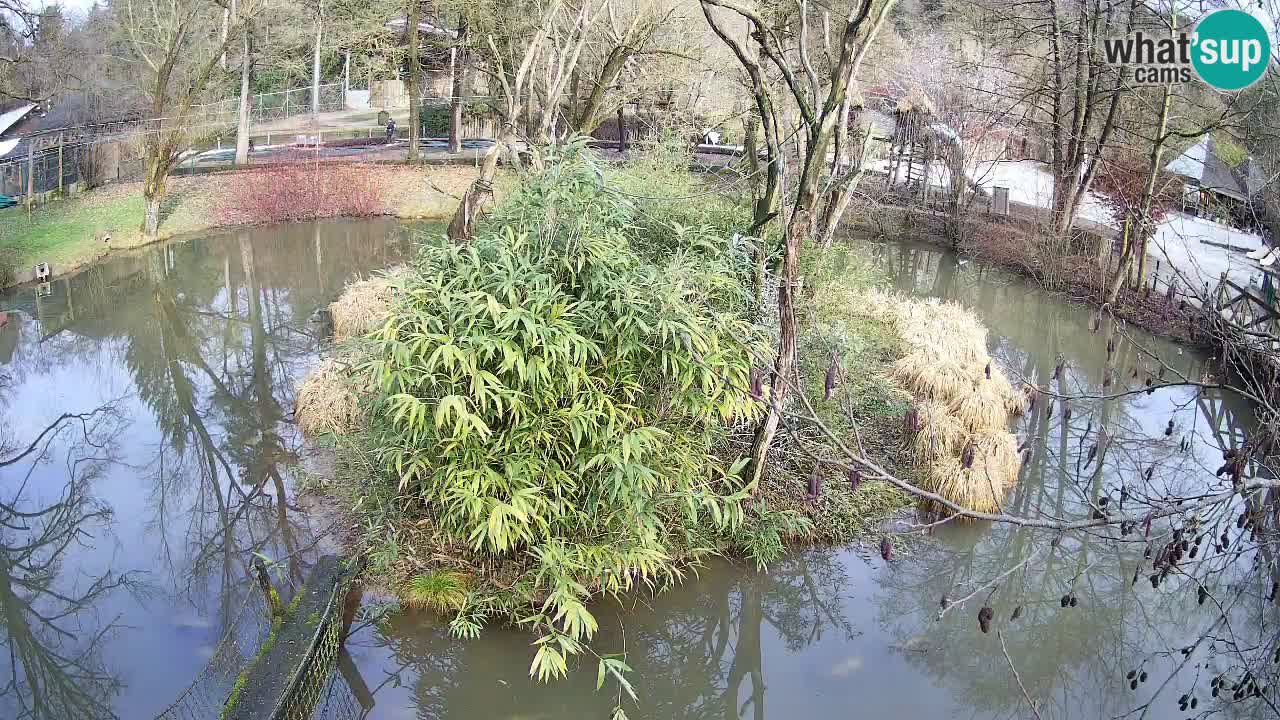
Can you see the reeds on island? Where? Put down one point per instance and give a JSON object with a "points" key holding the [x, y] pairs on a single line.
{"points": [[963, 400]]}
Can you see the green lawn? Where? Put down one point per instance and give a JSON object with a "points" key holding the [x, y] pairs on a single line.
{"points": [[68, 231]]}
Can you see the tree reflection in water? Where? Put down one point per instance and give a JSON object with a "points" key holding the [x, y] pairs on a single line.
{"points": [[220, 334], [50, 635], [205, 340], [697, 651]]}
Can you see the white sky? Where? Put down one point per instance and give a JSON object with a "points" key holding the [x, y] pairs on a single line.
{"points": [[73, 7]]}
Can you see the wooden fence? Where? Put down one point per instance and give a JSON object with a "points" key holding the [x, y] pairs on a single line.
{"points": [[1251, 311]]}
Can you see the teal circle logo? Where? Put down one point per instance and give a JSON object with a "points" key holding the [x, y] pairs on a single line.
{"points": [[1230, 50]]}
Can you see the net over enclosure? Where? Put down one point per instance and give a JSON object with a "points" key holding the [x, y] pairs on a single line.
{"points": [[281, 666]]}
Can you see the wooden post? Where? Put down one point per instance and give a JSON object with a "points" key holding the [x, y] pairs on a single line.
{"points": [[31, 174], [264, 582], [622, 130], [60, 176]]}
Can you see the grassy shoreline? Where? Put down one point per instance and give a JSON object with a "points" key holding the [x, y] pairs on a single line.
{"points": [[71, 233]]}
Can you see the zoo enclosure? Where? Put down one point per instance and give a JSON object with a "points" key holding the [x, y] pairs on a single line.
{"points": [[74, 158]]}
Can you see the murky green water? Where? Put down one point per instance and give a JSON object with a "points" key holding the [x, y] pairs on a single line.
{"points": [[124, 539]]}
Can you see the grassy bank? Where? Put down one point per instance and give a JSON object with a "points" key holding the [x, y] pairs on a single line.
{"points": [[71, 232]]}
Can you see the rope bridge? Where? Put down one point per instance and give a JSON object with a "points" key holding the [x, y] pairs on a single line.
{"points": [[281, 666]]}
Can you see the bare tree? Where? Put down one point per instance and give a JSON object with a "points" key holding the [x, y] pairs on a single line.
{"points": [[821, 103], [176, 47], [649, 31], [35, 60], [512, 54]]}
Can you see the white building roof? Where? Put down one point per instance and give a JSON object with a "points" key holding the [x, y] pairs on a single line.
{"points": [[11, 118], [1191, 163]]}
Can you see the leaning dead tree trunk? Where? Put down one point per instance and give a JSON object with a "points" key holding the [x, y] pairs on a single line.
{"points": [[477, 199]]}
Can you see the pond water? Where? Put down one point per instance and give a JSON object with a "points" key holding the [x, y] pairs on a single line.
{"points": [[126, 531]]}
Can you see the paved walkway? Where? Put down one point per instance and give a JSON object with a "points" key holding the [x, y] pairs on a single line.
{"points": [[432, 150]]}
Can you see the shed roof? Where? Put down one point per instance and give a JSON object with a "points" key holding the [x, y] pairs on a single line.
{"points": [[1200, 162]]}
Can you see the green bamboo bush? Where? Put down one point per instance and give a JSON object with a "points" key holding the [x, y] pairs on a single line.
{"points": [[556, 398]]}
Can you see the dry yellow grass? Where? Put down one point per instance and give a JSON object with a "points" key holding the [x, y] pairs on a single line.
{"points": [[983, 485], [982, 408], [365, 305], [940, 436], [1015, 399], [930, 378], [327, 400], [963, 400]]}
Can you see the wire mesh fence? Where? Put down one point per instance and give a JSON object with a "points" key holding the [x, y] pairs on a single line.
{"points": [[278, 105], [72, 159], [313, 678], [281, 666], [246, 631], [64, 165]]}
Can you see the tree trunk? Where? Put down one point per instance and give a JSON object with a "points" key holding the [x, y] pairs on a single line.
{"points": [[315, 70], [833, 211], [622, 130], [785, 364], [750, 153], [461, 85], [411, 80], [841, 192], [226, 24], [593, 112], [31, 174], [246, 103], [479, 196], [153, 188], [1142, 226]]}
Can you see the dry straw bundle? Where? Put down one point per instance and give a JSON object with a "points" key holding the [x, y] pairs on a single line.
{"points": [[963, 401], [365, 304], [327, 400]]}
